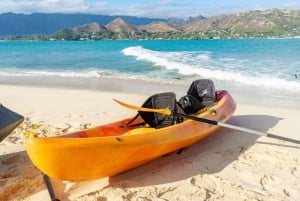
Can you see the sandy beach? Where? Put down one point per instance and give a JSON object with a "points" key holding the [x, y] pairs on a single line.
{"points": [[228, 165]]}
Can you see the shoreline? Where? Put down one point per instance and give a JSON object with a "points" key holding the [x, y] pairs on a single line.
{"points": [[243, 95], [227, 165], [123, 85]]}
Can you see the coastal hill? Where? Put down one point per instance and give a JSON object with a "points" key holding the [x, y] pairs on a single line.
{"points": [[158, 27], [120, 26], [253, 21], [12, 24], [92, 27], [252, 24]]}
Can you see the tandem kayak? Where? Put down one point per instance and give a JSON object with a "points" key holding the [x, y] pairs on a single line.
{"points": [[110, 149]]}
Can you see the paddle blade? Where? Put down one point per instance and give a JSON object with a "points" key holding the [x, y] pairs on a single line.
{"points": [[143, 109]]}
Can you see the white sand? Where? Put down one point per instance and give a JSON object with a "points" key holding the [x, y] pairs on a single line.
{"points": [[228, 165]]}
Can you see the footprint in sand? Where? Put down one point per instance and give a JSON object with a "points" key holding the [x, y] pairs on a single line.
{"points": [[210, 185], [295, 171], [265, 181]]}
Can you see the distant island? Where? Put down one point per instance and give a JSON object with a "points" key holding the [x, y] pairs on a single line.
{"points": [[274, 23]]}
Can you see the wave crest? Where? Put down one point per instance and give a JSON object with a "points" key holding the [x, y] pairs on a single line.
{"points": [[203, 64]]}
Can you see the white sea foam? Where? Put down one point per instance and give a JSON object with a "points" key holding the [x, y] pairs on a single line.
{"points": [[67, 74], [33, 73], [223, 69]]}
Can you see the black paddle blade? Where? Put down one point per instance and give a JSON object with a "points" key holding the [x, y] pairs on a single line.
{"points": [[9, 120]]}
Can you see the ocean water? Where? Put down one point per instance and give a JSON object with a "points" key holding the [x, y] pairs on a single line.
{"points": [[263, 70]]}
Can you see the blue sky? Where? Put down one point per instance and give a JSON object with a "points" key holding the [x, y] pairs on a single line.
{"points": [[145, 8]]}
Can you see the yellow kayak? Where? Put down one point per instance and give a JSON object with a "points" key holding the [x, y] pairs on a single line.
{"points": [[110, 149]]}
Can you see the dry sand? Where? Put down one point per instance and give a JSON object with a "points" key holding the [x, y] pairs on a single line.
{"points": [[228, 165]]}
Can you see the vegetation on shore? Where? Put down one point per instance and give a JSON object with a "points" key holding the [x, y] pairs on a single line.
{"points": [[273, 23]]}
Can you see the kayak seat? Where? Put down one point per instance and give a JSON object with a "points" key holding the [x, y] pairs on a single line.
{"points": [[138, 131]]}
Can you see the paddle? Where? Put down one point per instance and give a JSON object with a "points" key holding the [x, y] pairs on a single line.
{"points": [[168, 112], [49, 188]]}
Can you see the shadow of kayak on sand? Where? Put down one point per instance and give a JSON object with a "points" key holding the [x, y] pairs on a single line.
{"points": [[208, 156]]}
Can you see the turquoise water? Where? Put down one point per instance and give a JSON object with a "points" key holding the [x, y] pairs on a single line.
{"points": [[266, 65]]}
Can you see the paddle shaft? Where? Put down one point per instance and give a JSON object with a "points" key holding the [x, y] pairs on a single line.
{"points": [[247, 130], [50, 188]]}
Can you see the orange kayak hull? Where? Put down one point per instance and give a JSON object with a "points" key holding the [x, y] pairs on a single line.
{"points": [[113, 148]]}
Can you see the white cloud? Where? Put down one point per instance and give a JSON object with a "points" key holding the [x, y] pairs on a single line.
{"points": [[156, 8], [50, 6], [160, 8]]}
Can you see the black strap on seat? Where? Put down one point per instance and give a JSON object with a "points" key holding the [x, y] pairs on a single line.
{"points": [[133, 119]]}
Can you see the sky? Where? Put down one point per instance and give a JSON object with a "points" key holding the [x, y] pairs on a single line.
{"points": [[145, 8]]}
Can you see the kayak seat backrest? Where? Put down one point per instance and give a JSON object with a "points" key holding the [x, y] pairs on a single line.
{"points": [[165, 100], [190, 104], [201, 94], [204, 91]]}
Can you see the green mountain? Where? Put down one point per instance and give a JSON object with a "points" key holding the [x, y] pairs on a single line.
{"points": [[12, 24], [271, 22], [252, 24]]}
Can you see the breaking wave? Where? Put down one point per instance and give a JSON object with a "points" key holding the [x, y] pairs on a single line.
{"points": [[204, 64]]}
